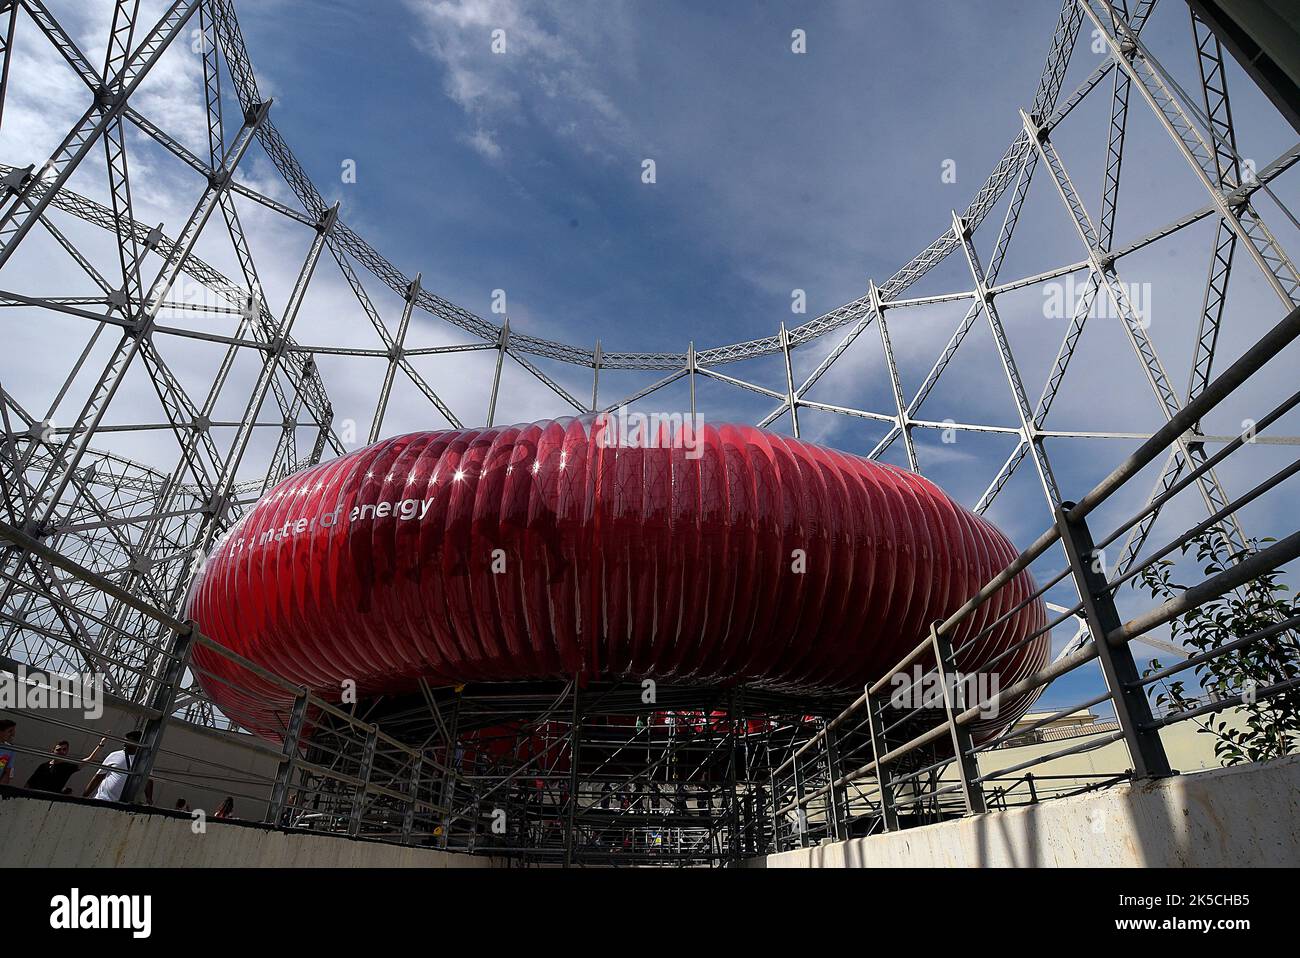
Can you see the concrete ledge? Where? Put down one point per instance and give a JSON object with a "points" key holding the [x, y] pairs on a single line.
{"points": [[1246, 816], [56, 832]]}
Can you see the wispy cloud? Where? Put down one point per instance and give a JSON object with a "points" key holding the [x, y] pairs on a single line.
{"points": [[521, 67]]}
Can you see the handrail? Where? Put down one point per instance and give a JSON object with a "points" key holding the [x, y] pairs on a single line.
{"points": [[1255, 358]]}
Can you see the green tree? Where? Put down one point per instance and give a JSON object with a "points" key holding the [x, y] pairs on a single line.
{"points": [[1269, 727]]}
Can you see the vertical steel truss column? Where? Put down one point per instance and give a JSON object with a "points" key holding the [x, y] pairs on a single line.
{"points": [[1120, 88], [1109, 206], [1101, 264], [36, 193], [363, 773], [162, 703], [180, 409], [288, 759], [137, 340], [176, 403], [1071, 16], [395, 356], [596, 358], [954, 703], [68, 457], [257, 319], [1214, 90], [1132, 709], [1134, 58], [1019, 154], [119, 46], [879, 748]]}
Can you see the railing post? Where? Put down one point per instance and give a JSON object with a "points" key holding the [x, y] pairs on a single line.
{"points": [[1132, 709], [1033, 789], [888, 813], [949, 682], [288, 761], [162, 702], [367, 764]]}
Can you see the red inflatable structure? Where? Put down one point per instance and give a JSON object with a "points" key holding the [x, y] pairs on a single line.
{"points": [[725, 555]]}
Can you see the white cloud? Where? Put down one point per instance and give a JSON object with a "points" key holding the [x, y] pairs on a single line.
{"points": [[543, 73], [483, 143], [45, 99]]}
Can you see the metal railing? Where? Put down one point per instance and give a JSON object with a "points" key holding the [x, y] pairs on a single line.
{"points": [[879, 765], [675, 794], [324, 769]]}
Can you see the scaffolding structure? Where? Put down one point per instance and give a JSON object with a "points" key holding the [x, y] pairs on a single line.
{"points": [[98, 550]]}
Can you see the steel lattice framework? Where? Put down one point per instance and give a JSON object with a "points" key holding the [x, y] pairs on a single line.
{"points": [[143, 527]]}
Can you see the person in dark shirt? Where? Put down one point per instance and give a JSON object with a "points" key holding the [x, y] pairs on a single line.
{"points": [[53, 775]]}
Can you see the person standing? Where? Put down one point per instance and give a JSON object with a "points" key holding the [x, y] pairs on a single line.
{"points": [[53, 775], [110, 780]]}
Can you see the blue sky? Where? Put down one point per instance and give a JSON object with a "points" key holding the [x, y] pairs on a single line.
{"points": [[774, 170]]}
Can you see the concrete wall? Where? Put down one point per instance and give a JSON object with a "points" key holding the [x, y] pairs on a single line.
{"points": [[1189, 750], [203, 766], [73, 833], [1247, 816]]}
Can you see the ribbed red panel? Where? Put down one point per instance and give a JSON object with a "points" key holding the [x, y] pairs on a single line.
{"points": [[532, 551]]}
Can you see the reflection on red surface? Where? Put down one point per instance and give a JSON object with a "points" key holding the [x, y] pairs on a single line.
{"points": [[534, 551]]}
